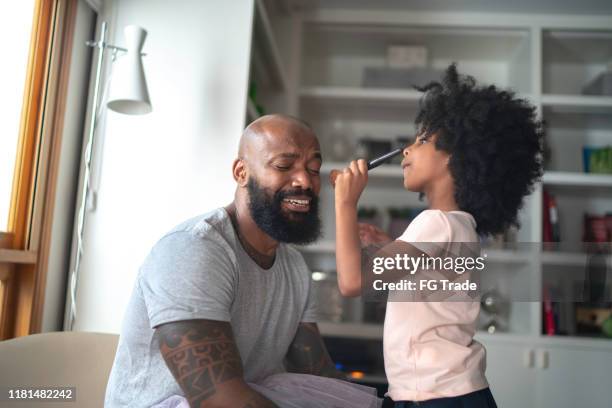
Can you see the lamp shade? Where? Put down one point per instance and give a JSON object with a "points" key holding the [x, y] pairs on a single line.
{"points": [[128, 88]]}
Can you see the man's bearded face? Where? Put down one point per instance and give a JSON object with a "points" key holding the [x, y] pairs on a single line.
{"points": [[290, 216]]}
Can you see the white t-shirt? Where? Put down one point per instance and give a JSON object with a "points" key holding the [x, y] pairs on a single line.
{"points": [[429, 348]]}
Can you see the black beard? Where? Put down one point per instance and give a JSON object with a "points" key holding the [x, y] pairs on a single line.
{"points": [[266, 211]]}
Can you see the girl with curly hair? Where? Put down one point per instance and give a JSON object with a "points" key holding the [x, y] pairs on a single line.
{"points": [[477, 154]]}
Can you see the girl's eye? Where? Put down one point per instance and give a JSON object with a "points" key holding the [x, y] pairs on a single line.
{"points": [[422, 140], [283, 168], [314, 171]]}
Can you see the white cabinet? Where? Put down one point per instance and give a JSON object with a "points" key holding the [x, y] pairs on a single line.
{"points": [[574, 377], [548, 372], [510, 373]]}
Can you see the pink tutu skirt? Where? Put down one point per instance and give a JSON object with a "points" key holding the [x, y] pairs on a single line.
{"points": [[288, 390]]}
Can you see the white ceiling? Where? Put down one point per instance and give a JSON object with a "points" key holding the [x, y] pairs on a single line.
{"points": [[596, 7]]}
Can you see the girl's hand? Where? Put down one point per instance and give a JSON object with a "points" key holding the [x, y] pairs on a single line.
{"points": [[372, 235], [350, 182]]}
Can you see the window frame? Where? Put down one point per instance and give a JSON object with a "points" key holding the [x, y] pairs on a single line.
{"points": [[24, 249]]}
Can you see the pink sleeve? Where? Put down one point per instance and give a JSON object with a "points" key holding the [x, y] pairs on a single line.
{"points": [[428, 226]]}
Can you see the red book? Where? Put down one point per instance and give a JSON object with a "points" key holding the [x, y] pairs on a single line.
{"points": [[549, 316]]}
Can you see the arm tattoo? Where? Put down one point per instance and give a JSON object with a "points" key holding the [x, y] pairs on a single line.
{"points": [[201, 354], [308, 355]]}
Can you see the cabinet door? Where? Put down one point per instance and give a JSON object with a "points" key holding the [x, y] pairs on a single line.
{"points": [[574, 378], [510, 374]]}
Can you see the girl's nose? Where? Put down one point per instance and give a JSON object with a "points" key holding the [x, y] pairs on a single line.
{"points": [[406, 151]]}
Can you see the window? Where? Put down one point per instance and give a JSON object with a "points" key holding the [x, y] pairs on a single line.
{"points": [[15, 37], [35, 35]]}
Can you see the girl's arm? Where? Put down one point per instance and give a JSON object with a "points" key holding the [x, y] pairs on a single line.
{"points": [[348, 187]]}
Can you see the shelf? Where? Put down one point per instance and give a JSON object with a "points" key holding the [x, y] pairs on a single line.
{"points": [[563, 258], [371, 331], [362, 94], [355, 94], [367, 331], [505, 337], [578, 103], [325, 247], [507, 256], [493, 255], [561, 178], [567, 258], [270, 64]]}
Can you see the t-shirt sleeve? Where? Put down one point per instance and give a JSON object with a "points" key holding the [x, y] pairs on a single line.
{"points": [[187, 277], [310, 313], [428, 227]]}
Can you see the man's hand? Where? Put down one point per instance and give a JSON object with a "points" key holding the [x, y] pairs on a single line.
{"points": [[372, 235], [307, 354], [203, 358]]}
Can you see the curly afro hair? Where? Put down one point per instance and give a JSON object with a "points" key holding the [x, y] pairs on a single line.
{"points": [[495, 145]]}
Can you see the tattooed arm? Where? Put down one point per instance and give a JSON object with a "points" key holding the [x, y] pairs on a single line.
{"points": [[307, 353], [204, 360]]}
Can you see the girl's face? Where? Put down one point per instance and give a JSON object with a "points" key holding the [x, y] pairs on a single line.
{"points": [[423, 164]]}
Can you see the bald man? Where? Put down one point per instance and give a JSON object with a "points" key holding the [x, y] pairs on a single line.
{"points": [[222, 300]]}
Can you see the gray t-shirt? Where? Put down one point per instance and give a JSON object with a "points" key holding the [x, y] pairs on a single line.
{"points": [[199, 270]]}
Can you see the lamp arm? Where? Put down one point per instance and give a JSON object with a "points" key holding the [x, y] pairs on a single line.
{"points": [[91, 132], [102, 46]]}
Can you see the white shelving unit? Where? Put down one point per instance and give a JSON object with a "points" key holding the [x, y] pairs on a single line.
{"points": [[267, 58], [583, 103], [525, 56], [574, 179], [530, 54], [273, 72], [356, 95], [544, 58]]}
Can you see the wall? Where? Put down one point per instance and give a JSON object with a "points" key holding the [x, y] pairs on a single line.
{"points": [[159, 169]]}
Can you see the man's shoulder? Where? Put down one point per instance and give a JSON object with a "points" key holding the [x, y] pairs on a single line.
{"points": [[204, 233], [210, 223], [197, 248]]}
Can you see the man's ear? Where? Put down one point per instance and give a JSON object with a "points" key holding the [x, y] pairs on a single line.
{"points": [[239, 172]]}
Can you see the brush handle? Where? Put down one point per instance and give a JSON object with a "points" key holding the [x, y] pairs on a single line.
{"points": [[380, 160], [371, 164]]}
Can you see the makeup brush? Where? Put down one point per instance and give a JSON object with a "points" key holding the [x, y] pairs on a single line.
{"points": [[372, 164]]}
